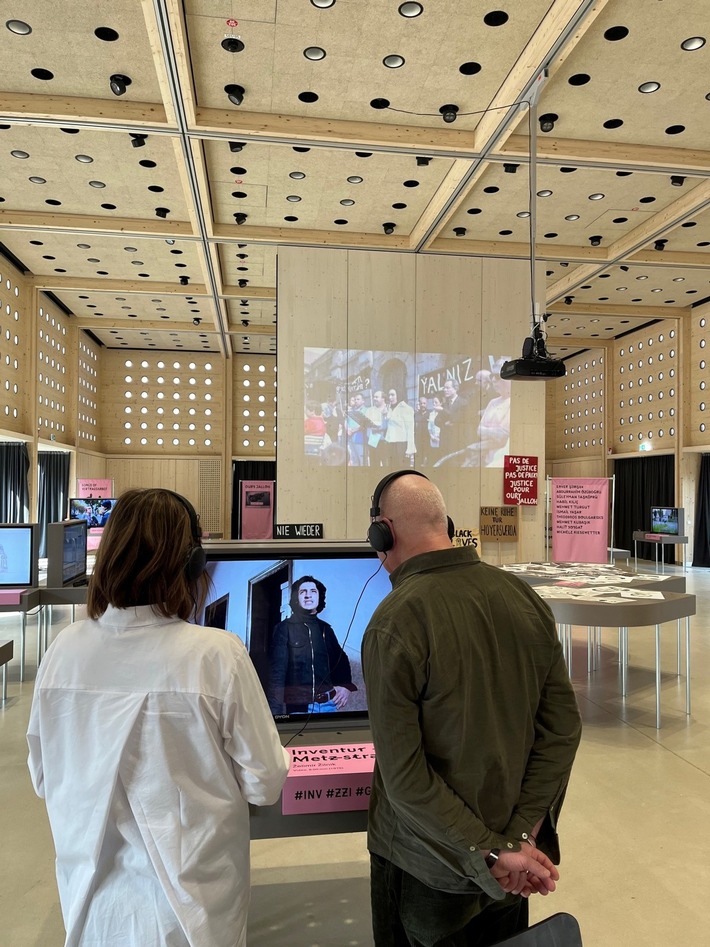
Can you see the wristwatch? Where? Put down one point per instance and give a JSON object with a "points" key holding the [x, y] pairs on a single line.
{"points": [[492, 857]]}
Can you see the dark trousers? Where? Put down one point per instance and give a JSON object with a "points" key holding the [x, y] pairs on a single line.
{"points": [[408, 913]]}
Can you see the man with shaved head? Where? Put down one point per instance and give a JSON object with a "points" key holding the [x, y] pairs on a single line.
{"points": [[475, 726]]}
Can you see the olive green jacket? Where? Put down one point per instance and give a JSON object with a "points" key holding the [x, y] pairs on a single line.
{"points": [[473, 717]]}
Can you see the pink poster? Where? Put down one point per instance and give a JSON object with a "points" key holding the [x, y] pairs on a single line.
{"points": [[580, 519], [94, 488], [257, 509]]}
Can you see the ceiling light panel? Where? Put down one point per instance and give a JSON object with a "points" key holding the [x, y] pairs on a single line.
{"points": [[356, 38], [200, 340], [616, 68], [109, 307], [671, 286], [96, 257], [601, 328], [63, 36], [137, 180], [387, 179], [627, 202], [260, 312], [692, 236], [260, 263]]}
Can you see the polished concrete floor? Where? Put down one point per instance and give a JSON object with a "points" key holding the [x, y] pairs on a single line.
{"points": [[634, 829]]}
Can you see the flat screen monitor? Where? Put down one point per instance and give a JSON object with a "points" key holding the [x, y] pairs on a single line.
{"points": [[66, 553], [19, 555], [298, 663], [667, 520], [95, 511]]}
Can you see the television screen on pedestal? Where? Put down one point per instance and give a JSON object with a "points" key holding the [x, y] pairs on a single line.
{"points": [[66, 553], [667, 521], [251, 598], [19, 555]]}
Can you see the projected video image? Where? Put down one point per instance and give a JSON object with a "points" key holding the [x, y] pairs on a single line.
{"points": [[307, 656], [394, 409]]}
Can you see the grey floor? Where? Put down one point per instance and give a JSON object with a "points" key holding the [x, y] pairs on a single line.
{"points": [[634, 829]]}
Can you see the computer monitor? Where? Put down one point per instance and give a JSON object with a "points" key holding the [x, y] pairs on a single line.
{"points": [[250, 598], [667, 520], [19, 555], [66, 553]]}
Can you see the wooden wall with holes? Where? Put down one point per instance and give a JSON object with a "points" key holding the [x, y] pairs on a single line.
{"points": [[352, 318], [576, 435], [254, 406], [17, 331]]}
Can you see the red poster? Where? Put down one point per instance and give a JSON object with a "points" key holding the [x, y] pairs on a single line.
{"points": [[520, 481], [580, 519], [257, 509]]}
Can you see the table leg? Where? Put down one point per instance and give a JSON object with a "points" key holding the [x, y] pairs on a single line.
{"points": [[687, 665], [23, 635], [678, 648], [624, 658], [658, 677], [4, 683]]}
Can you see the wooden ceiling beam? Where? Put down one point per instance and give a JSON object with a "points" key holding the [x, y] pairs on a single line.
{"points": [[73, 110], [142, 325], [670, 258], [249, 292], [554, 341], [607, 154], [638, 312], [83, 223], [517, 251], [231, 233], [53, 283]]}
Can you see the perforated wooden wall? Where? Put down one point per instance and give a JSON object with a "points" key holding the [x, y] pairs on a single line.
{"points": [[576, 409], [56, 382], [16, 328], [697, 358], [254, 406]]}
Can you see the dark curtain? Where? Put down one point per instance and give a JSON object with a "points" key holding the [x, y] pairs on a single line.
{"points": [[642, 482], [248, 470], [53, 489], [14, 485], [701, 540]]}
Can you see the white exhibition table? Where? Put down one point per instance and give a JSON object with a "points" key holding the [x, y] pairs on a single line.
{"points": [[603, 596]]}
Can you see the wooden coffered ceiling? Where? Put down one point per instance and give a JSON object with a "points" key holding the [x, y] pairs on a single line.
{"points": [[153, 216]]}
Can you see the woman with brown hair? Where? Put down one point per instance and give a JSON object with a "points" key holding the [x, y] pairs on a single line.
{"points": [[149, 737]]}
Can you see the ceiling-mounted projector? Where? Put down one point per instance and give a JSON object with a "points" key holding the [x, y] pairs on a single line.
{"points": [[534, 368], [535, 364]]}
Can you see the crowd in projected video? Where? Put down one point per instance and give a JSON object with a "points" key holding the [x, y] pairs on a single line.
{"points": [[394, 409]]}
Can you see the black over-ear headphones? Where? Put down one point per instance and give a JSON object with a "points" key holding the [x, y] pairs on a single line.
{"points": [[379, 535], [196, 557]]}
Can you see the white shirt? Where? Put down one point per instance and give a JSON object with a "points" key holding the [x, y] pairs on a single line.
{"points": [[148, 738]]}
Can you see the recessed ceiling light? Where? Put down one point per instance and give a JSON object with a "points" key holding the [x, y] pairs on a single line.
{"points": [[523, 213], [409, 9], [348, 202], [37, 180], [85, 159], [596, 197], [693, 42], [656, 290], [678, 279], [314, 53], [572, 217], [19, 154], [642, 277], [322, 4], [294, 198], [649, 87], [544, 193], [96, 184], [19, 27], [393, 62], [354, 179]]}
